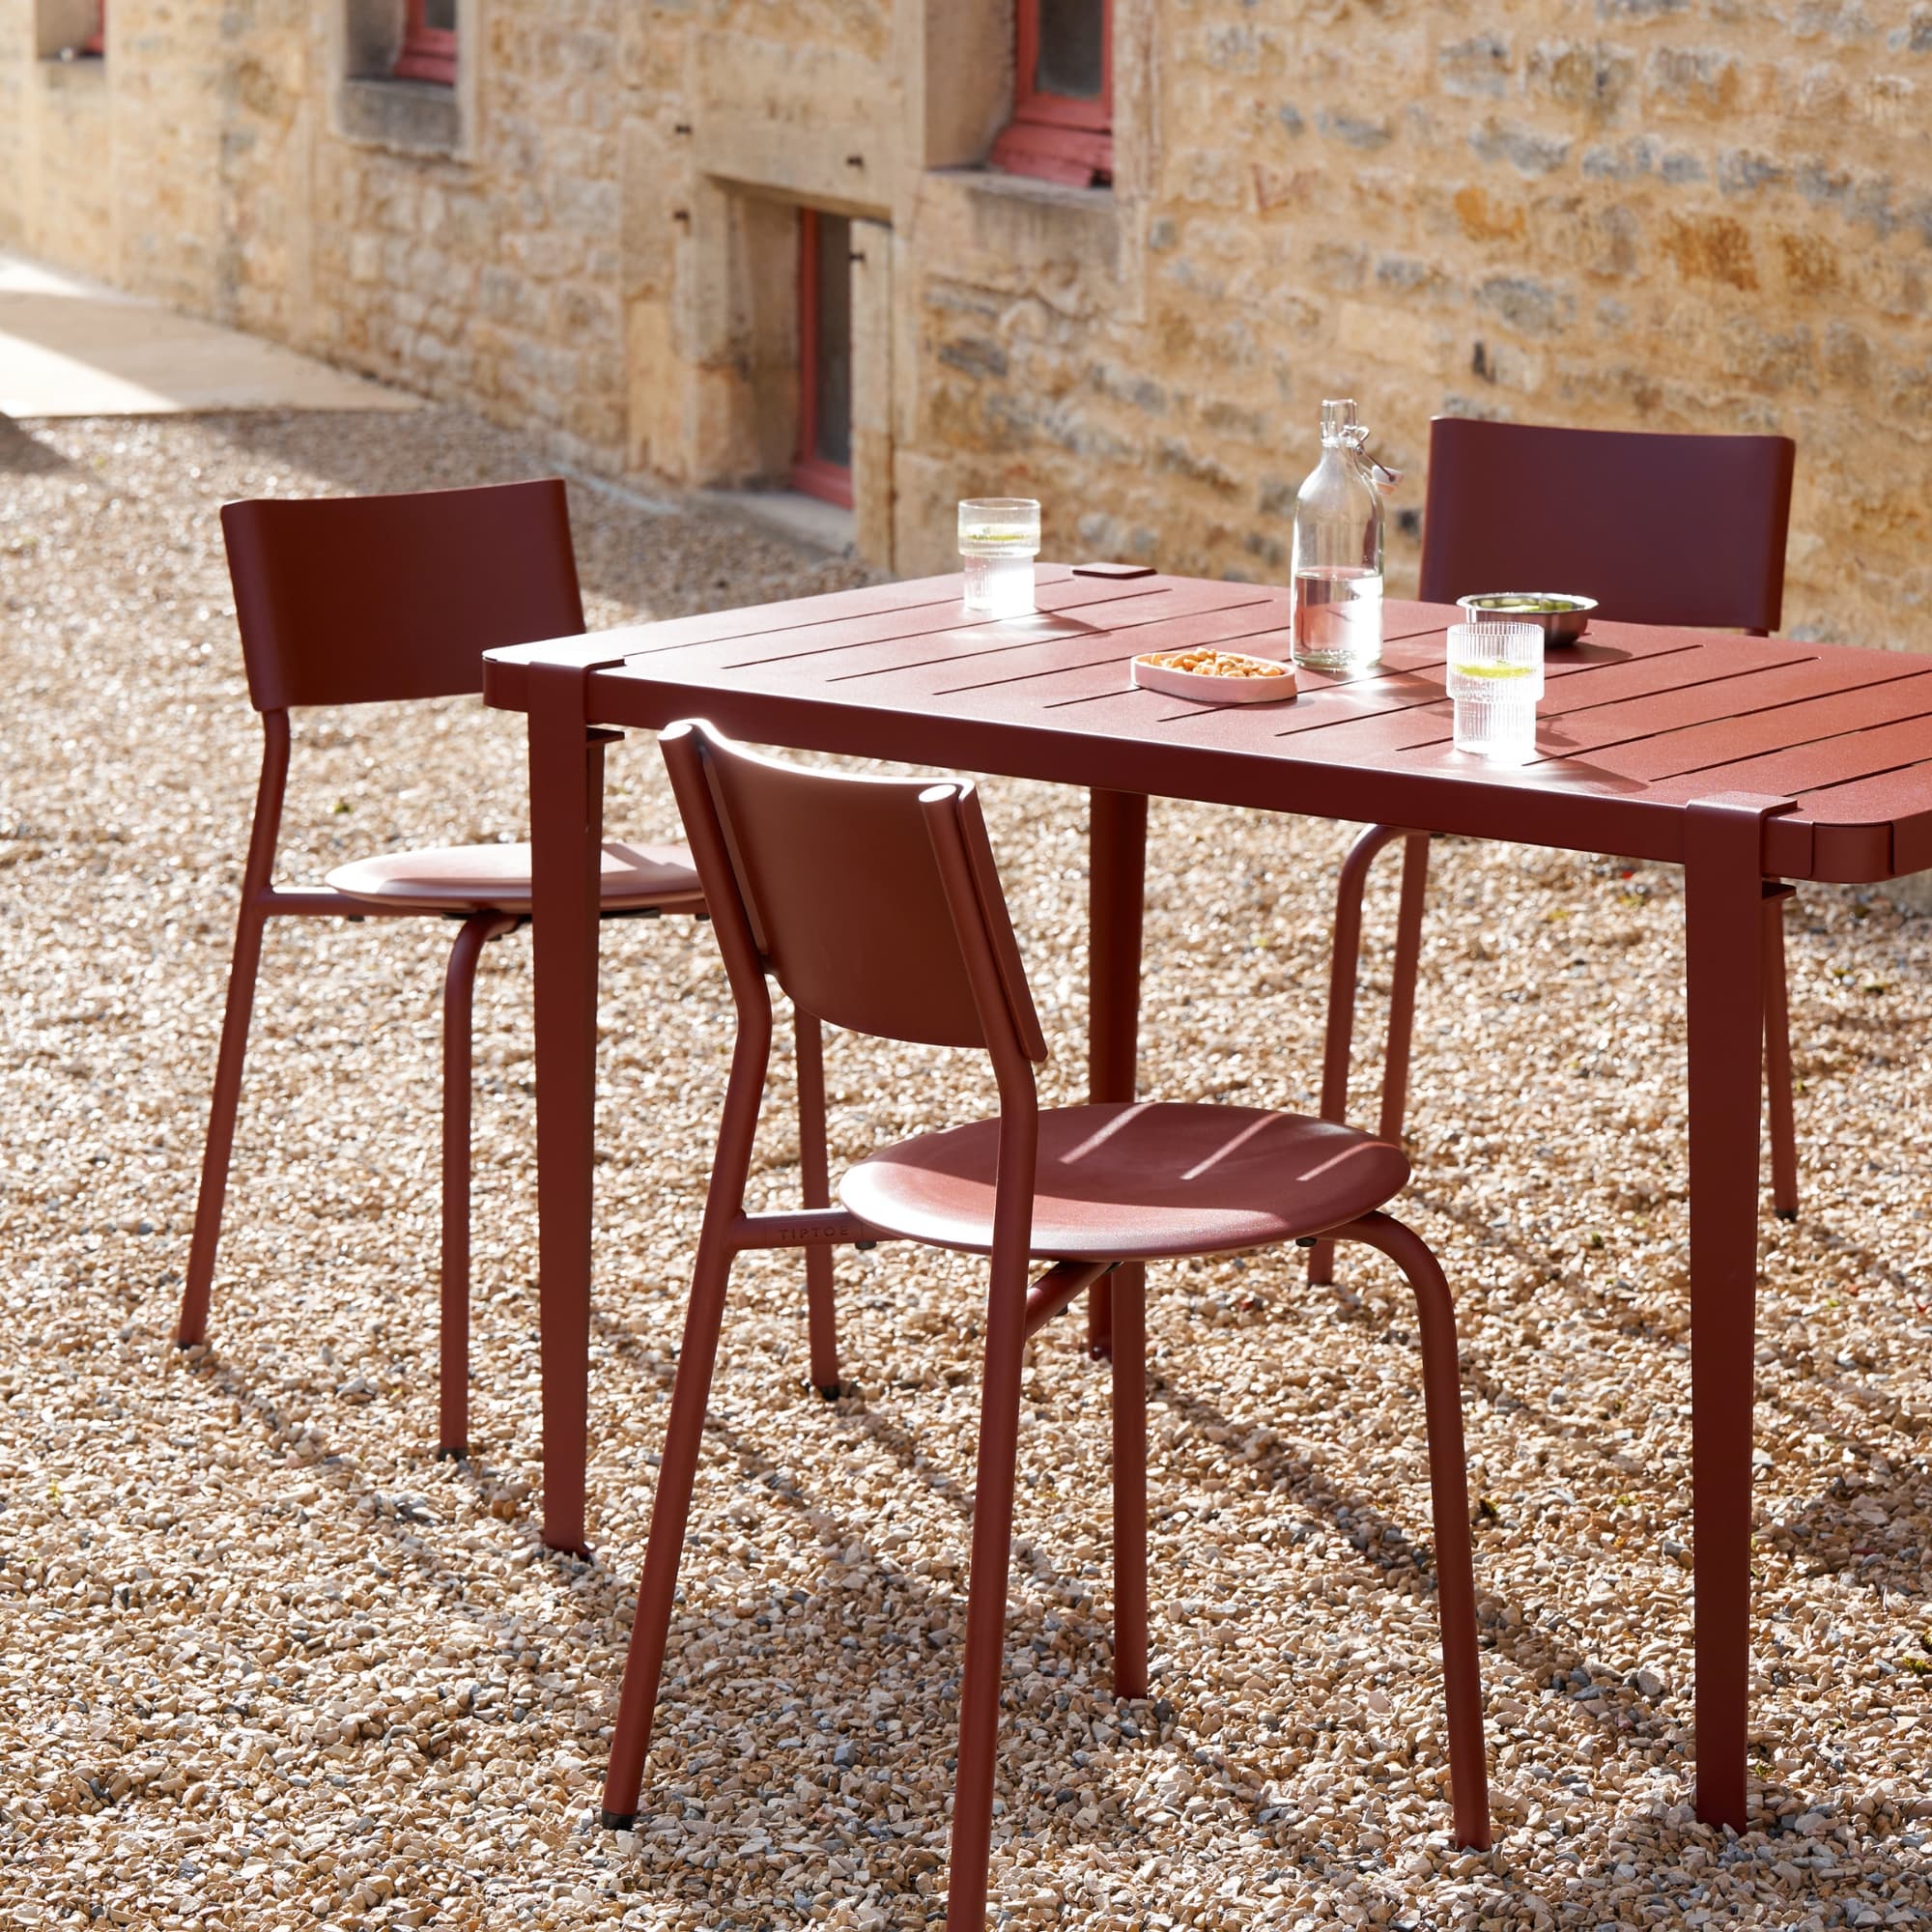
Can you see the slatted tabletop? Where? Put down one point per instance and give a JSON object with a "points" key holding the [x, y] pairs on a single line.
{"points": [[1635, 722]]}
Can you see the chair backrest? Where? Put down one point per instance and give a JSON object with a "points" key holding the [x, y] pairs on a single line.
{"points": [[1659, 530], [874, 902], [354, 599]]}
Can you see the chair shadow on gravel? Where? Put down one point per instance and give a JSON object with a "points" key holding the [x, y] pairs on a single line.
{"points": [[227, 1379], [1826, 1536], [1556, 1669], [1404, 1564], [1829, 1536], [23, 454], [1585, 1432], [1835, 1534], [1812, 1226], [606, 1593]]}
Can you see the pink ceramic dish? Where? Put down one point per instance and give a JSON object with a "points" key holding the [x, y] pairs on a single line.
{"points": [[1205, 689]]}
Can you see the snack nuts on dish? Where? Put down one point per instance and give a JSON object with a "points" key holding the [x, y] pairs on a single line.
{"points": [[1213, 663]]}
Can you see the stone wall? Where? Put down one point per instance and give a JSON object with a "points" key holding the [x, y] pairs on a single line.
{"points": [[113, 167], [1644, 214], [1669, 213]]}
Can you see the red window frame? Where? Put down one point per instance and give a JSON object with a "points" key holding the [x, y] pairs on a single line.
{"points": [[427, 53], [812, 475], [1055, 136]]}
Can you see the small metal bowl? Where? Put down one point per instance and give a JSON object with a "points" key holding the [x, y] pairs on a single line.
{"points": [[1563, 624]]}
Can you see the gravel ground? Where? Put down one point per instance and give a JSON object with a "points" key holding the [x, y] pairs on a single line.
{"points": [[265, 1663]]}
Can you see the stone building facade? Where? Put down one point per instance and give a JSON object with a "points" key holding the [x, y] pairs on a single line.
{"points": [[1674, 213]]}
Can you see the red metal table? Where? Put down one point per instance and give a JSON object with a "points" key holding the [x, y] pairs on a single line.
{"points": [[1741, 759]]}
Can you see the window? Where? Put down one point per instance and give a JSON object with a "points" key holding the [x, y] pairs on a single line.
{"points": [[823, 465], [429, 41], [1063, 121], [68, 30]]}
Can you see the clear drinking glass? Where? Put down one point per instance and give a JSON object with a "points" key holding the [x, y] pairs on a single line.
{"points": [[999, 538], [1495, 677]]}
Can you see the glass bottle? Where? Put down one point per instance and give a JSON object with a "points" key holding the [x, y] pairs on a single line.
{"points": [[1336, 593]]}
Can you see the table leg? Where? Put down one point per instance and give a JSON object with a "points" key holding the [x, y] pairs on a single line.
{"points": [[1724, 967], [1115, 891], [566, 826]]}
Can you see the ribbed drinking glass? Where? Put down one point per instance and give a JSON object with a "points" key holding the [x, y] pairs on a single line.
{"points": [[999, 538], [1496, 677]]}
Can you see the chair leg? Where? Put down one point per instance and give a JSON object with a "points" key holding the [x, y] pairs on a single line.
{"points": [[1449, 1495], [815, 1185], [1130, 1513], [1402, 991], [459, 988], [1778, 1080], [991, 1561], [671, 1510], [1344, 961], [242, 973]]}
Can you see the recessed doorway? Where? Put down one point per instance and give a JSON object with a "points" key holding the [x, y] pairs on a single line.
{"points": [[822, 465]]}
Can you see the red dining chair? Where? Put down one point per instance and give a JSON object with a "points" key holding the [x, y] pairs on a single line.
{"points": [[1660, 530], [384, 599], [874, 904]]}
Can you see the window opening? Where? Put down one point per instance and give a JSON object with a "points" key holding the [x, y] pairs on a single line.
{"points": [[1062, 127], [429, 41]]}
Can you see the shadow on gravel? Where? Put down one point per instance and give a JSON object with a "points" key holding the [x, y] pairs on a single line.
{"points": [[1138, 1809], [681, 567], [348, 450], [1587, 1431], [1873, 1531], [23, 454]]}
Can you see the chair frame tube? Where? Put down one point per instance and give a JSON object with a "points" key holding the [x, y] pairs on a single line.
{"points": [[458, 1012], [1344, 977], [261, 901], [1779, 1084]]}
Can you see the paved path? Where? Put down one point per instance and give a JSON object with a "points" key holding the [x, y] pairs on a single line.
{"points": [[72, 348]]}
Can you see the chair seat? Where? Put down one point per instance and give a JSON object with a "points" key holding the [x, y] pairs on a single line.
{"points": [[497, 878], [1135, 1181]]}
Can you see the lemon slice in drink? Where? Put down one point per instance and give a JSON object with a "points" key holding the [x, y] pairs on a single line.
{"points": [[1496, 672]]}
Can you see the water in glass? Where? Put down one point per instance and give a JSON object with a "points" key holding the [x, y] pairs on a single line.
{"points": [[999, 538], [1338, 615], [1495, 679]]}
